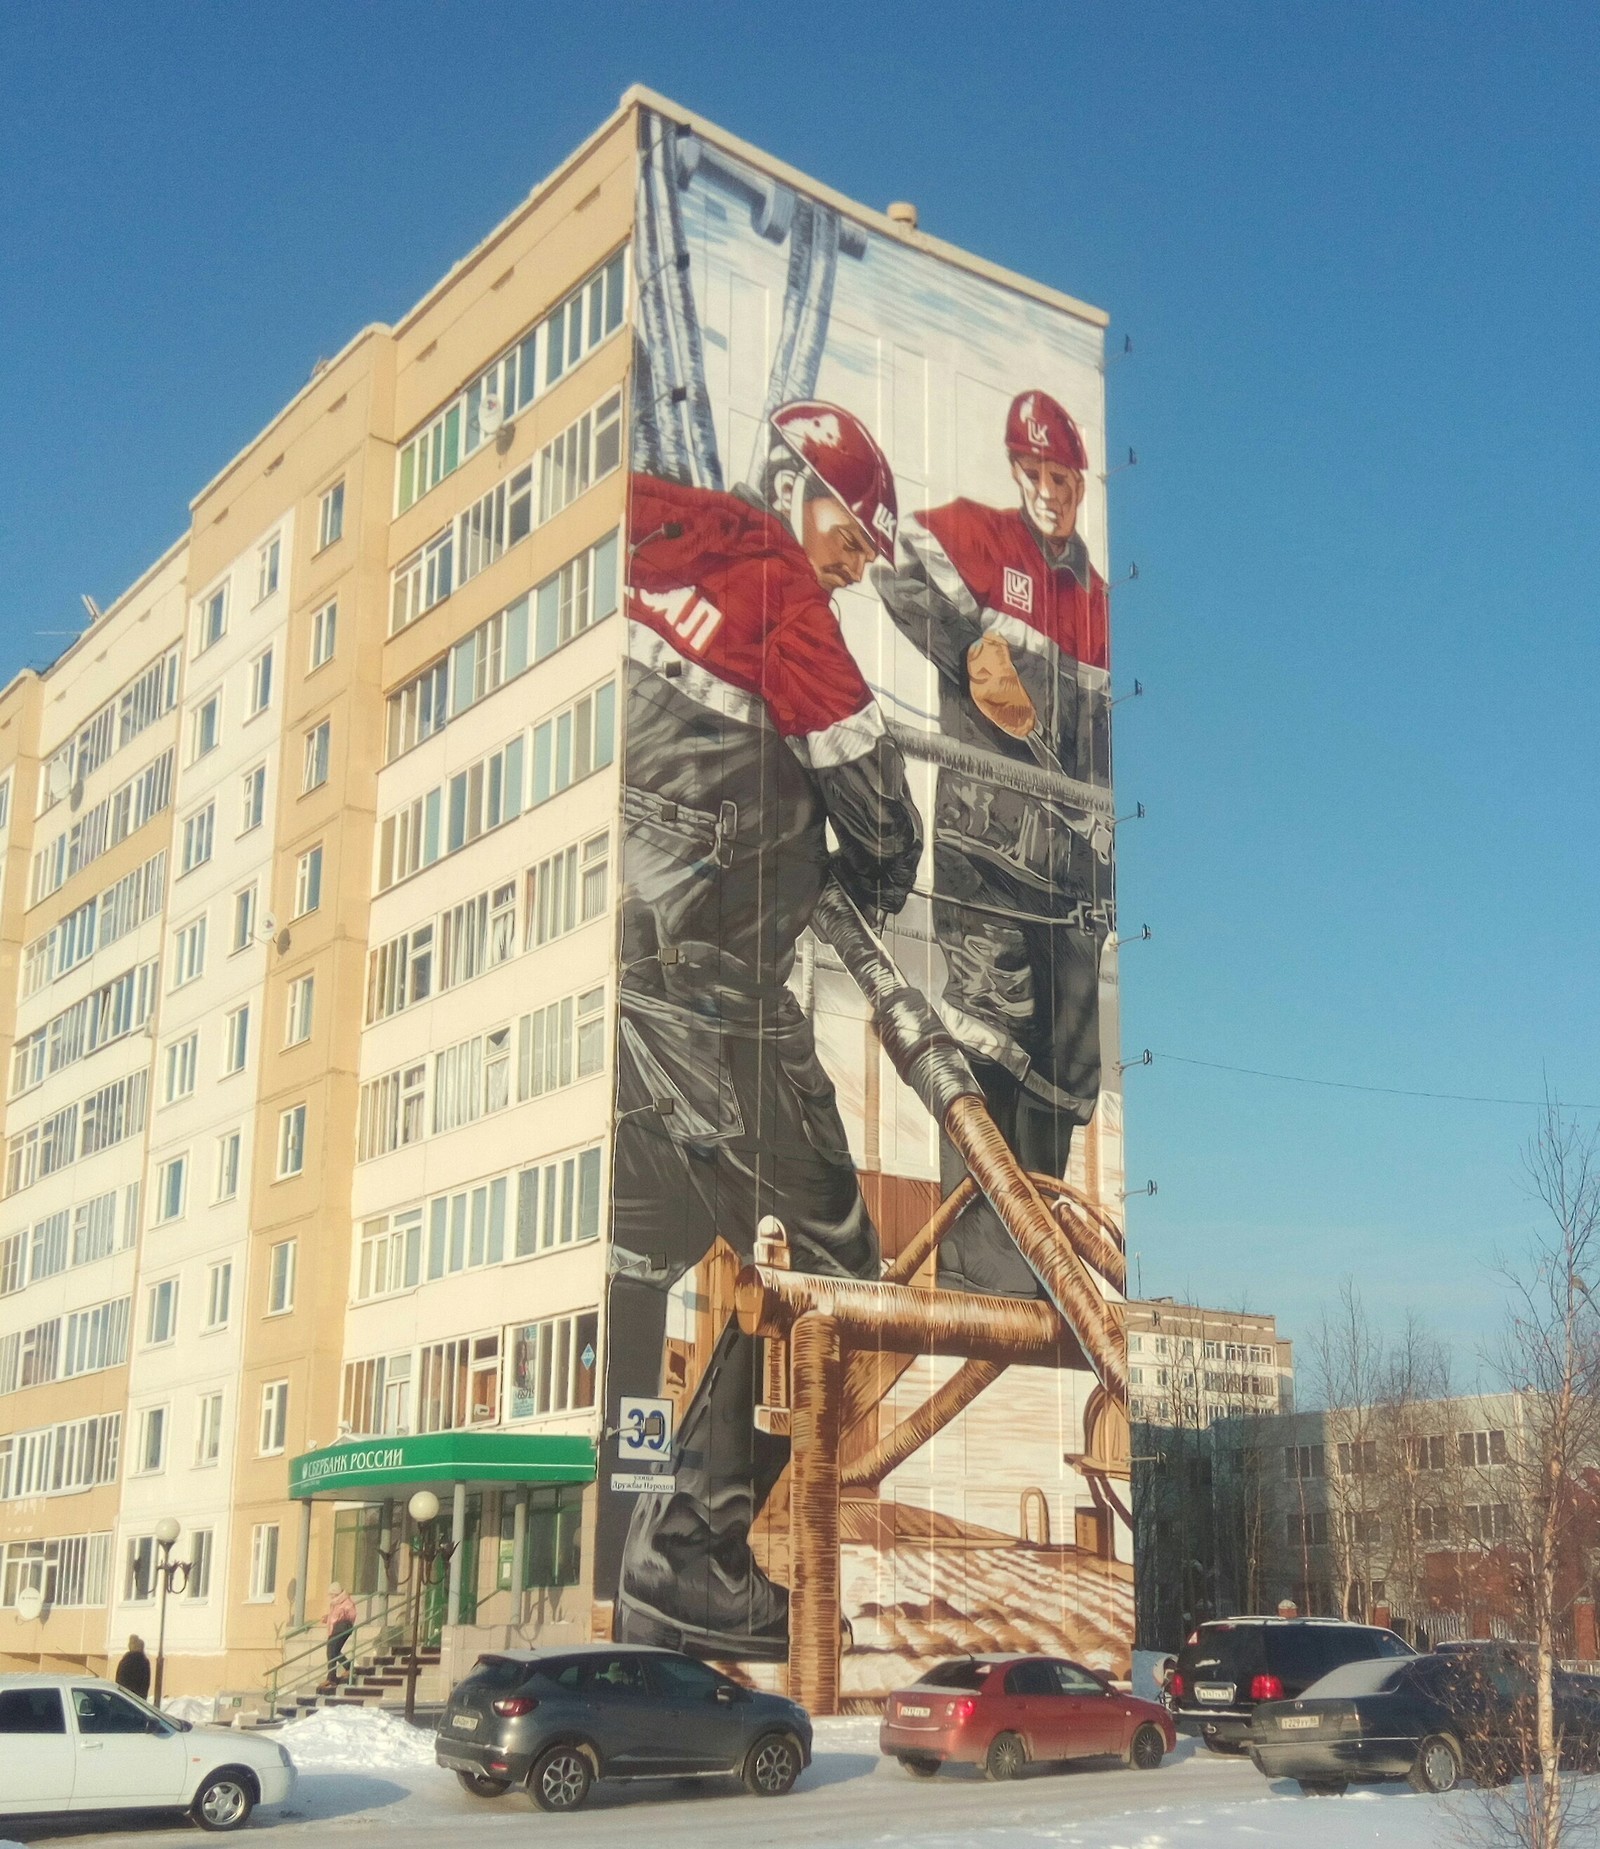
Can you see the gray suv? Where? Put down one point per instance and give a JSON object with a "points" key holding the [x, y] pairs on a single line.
{"points": [[556, 1720]]}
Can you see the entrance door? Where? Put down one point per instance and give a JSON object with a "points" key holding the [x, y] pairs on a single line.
{"points": [[126, 1754]]}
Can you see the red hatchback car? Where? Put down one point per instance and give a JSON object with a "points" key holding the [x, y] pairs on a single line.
{"points": [[1000, 1712]]}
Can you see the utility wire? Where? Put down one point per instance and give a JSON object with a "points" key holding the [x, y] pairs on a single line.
{"points": [[1387, 1091]]}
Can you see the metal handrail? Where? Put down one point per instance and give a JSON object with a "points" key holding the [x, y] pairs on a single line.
{"points": [[310, 1665]]}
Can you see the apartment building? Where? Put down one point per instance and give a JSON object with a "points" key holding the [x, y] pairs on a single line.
{"points": [[1188, 1366], [312, 854]]}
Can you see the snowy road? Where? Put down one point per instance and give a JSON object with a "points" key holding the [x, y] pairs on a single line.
{"points": [[382, 1789]]}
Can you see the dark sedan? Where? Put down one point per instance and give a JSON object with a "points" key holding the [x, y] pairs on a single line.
{"points": [[1432, 1720], [553, 1721]]}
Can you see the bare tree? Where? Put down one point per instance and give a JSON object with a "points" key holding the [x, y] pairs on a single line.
{"points": [[1549, 1357]]}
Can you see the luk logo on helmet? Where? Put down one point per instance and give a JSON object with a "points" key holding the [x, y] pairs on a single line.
{"points": [[884, 521], [1038, 434]]}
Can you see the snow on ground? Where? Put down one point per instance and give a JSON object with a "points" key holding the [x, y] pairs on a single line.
{"points": [[356, 1740], [199, 1710]]}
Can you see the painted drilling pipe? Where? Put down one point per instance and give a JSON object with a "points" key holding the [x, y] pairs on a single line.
{"points": [[928, 1058]]}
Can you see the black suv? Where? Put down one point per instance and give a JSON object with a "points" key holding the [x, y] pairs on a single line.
{"points": [[1231, 1664], [556, 1720]]}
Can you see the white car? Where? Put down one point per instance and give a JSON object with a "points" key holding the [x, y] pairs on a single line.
{"points": [[77, 1743]]}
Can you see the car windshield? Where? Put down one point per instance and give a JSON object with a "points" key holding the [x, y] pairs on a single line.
{"points": [[1373, 1675], [964, 1672]]}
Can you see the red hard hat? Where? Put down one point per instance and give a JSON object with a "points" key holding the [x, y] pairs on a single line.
{"points": [[1037, 426], [839, 450]]}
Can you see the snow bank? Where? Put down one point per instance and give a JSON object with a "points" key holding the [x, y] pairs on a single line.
{"points": [[1145, 1665], [197, 1709], [845, 1733], [356, 1740]]}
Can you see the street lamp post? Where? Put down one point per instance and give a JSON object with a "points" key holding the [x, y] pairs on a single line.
{"points": [[174, 1576], [428, 1553]]}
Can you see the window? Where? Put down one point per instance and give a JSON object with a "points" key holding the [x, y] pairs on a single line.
{"points": [[189, 952], [459, 1384], [198, 1584], [471, 1079], [213, 625], [161, 1312], [244, 917], [13, 1264], [308, 882], [494, 522], [1433, 1524], [1308, 1530], [569, 889], [377, 1395], [389, 1257], [171, 1177], [114, 1112], [227, 1178], [424, 580], [467, 1229], [94, 1226], [324, 635], [99, 829], [418, 710], [555, 1536], [198, 830], [60, 1460], [581, 594], [207, 728], [553, 1365], [71, 1571], [409, 839], [139, 1579], [561, 1043], [1303, 1460], [391, 1112], [315, 772], [260, 683], [96, 1338], [570, 745], [253, 794], [152, 1454], [182, 1062], [584, 453], [291, 1141], [1482, 1448], [400, 973], [208, 1428], [264, 1563], [267, 561], [330, 517], [235, 1040], [558, 1203], [280, 1277], [489, 656], [1359, 1459], [1487, 1521], [219, 1291], [273, 1434], [547, 352], [486, 794], [302, 996]]}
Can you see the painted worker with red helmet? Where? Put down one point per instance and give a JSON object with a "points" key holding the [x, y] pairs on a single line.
{"points": [[750, 735], [1006, 605]]}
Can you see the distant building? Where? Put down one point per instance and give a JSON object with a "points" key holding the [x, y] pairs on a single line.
{"points": [[1188, 1366]]}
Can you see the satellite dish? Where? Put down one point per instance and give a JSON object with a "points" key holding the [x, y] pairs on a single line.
{"points": [[57, 779], [491, 414], [30, 1602], [282, 942]]}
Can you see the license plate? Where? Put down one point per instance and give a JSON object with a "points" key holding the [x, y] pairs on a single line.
{"points": [[1214, 1691], [1291, 1721], [910, 1713], [464, 1723]]}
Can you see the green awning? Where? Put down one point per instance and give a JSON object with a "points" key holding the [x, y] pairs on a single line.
{"points": [[358, 1467]]}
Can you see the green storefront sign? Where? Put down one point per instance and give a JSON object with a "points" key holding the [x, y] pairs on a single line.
{"points": [[363, 1467]]}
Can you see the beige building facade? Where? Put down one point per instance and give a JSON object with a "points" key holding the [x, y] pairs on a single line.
{"points": [[309, 848]]}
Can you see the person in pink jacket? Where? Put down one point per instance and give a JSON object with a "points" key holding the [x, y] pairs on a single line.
{"points": [[341, 1621]]}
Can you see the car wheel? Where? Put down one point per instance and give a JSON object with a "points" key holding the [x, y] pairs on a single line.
{"points": [[919, 1768], [772, 1765], [560, 1778], [1438, 1766], [1006, 1758], [1324, 1787], [224, 1801], [480, 1785], [1148, 1749]]}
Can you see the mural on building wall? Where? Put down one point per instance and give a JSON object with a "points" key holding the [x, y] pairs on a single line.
{"points": [[866, 1195]]}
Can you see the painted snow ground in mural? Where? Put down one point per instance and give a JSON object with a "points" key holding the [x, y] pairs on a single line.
{"points": [[868, 1168]]}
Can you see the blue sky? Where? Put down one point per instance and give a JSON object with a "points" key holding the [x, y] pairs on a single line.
{"points": [[1356, 251]]}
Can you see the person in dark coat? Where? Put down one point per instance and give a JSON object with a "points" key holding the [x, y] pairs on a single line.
{"points": [[133, 1672]]}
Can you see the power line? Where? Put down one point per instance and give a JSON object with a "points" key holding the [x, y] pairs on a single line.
{"points": [[1387, 1091]]}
